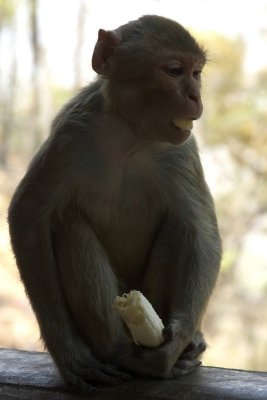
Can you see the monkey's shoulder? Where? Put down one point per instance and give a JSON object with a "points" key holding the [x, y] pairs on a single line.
{"points": [[178, 160], [80, 110]]}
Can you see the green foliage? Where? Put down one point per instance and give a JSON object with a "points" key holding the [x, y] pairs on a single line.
{"points": [[236, 105], [60, 96], [235, 121], [7, 11], [228, 260], [224, 68]]}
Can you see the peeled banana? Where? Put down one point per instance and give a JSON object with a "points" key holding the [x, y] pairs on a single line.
{"points": [[186, 124], [141, 318]]}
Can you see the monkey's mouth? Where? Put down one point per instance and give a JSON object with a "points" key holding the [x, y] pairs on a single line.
{"points": [[183, 124]]}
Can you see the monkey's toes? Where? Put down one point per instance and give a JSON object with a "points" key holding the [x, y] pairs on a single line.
{"points": [[168, 333], [184, 367], [116, 372]]}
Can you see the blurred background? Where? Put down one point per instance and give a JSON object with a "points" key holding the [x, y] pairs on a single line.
{"points": [[45, 56]]}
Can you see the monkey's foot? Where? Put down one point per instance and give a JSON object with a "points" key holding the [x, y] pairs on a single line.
{"points": [[188, 360], [84, 379], [194, 348], [184, 367]]}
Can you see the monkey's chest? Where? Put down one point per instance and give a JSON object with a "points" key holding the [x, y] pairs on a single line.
{"points": [[126, 215]]}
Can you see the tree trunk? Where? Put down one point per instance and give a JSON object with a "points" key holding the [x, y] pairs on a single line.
{"points": [[79, 45], [7, 90], [36, 128]]}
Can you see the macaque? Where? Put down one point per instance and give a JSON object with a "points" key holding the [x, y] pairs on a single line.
{"points": [[116, 200]]}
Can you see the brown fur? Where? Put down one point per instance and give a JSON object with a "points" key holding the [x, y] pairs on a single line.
{"points": [[116, 200]]}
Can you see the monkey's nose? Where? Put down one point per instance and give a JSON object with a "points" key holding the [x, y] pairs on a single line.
{"points": [[194, 97]]}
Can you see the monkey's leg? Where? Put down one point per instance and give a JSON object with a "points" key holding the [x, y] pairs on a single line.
{"points": [[90, 287], [180, 275]]}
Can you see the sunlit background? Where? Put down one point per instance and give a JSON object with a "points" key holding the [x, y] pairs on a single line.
{"points": [[45, 55]]}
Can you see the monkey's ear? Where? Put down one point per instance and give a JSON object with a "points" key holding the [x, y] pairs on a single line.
{"points": [[106, 43]]}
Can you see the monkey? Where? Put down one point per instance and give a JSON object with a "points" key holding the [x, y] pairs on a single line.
{"points": [[116, 199]]}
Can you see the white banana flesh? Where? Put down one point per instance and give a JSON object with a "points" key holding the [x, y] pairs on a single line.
{"points": [[185, 124], [141, 318]]}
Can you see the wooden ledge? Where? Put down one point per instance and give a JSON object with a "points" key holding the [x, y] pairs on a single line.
{"points": [[33, 376]]}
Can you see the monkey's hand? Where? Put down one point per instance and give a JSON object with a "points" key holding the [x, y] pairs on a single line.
{"points": [[189, 358], [177, 356], [157, 362], [160, 362], [147, 329]]}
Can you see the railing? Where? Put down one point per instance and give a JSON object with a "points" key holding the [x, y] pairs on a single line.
{"points": [[33, 376]]}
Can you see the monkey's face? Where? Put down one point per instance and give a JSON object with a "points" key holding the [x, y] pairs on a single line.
{"points": [[162, 102], [152, 69], [175, 96]]}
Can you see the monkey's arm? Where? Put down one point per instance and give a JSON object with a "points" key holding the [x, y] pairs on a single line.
{"points": [[42, 195], [30, 214]]}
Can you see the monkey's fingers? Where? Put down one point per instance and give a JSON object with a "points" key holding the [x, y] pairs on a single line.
{"points": [[174, 329], [168, 333], [104, 373], [77, 384], [183, 367], [113, 370], [194, 353], [195, 348]]}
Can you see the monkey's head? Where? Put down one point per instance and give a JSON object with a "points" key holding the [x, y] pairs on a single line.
{"points": [[152, 76]]}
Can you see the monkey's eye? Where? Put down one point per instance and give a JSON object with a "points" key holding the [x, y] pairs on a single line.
{"points": [[173, 70], [197, 74]]}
